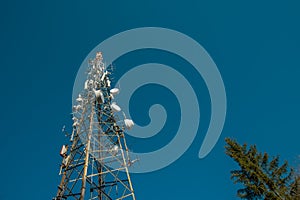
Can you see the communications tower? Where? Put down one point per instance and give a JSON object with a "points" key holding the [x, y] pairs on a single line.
{"points": [[95, 162]]}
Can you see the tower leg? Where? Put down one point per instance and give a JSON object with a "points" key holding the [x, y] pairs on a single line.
{"points": [[85, 168]]}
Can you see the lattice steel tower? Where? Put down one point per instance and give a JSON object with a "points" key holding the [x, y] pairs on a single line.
{"points": [[95, 163]]}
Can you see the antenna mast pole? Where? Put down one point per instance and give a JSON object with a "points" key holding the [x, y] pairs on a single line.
{"points": [[95, 166]]}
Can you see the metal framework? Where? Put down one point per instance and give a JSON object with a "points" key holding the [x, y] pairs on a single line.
{"points": [[95, 163]]}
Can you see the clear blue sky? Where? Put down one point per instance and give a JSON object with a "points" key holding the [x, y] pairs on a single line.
{"points": [[255, 44]]}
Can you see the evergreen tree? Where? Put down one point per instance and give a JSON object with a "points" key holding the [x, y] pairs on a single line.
{"points": [[295, 188], [262, 177]]}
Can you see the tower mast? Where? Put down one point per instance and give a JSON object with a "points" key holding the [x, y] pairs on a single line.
{"points": [[95, 163]]}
